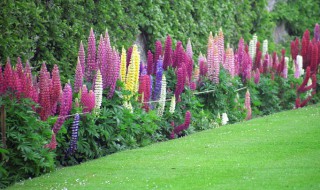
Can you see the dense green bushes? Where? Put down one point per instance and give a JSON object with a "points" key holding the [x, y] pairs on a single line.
{"points": [[51, 30]]}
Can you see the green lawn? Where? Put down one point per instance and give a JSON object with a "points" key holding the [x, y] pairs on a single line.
{"points": [[281, 151]]}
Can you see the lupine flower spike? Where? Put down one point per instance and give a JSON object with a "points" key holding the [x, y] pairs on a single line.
{"points": [[74, 136], [162, 101], [98, 91]]}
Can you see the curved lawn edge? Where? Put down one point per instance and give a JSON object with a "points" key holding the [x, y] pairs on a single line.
{"points": [[280, 151]]}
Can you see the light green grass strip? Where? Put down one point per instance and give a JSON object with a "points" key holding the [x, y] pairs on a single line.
{"points": [[281, 151]]}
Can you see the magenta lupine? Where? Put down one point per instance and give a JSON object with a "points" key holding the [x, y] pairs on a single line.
{"points": [[150, 63], [157, 88], [78, 81], [44, 94], [248, 105], [17, 83], [305, 49], [167, 59], [178, 55], [91, 57], [82, 57], [114, 73], [177, 130], [216, 65], [189, 67], [19, 68], [257, 76], [102, 60], [65, 107], [317, 32], [56, 88], [74, 135], [247, 67], [180, 83], [240, 52], [158, 53], [202, 66], [189, 49]]}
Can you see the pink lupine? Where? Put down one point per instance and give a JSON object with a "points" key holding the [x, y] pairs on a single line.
{"points": [[78, 81], [210, 58], [229, 63], [236, 65], [19, 67], [91, 57], [257, 76], [82, 57], [87, 99], [167, 59], [203, 66], [275, 61], [150, 63], [158, 53], [180, 83], [220, 46], [56, 88], [248, 105], [27, 69], [7, 75], [44, 94], [189, 49], [17, 83], [216, 65], [114, 73]]}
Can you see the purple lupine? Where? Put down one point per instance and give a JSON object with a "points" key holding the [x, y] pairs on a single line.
{"points": [[78, 81], [167, 60], [114, 72], [102, 61], [150, 63], [158, 53], [180, 84], [189, 49], [157, 88], [91, 59], [82, 57], [74, 135], [317, 32]]}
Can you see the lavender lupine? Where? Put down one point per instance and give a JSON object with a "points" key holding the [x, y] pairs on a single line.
{"points": [[157, 88], [167, 59], [248, 105], [150, 63], [78, 81], [74, 135], [91, 57], [317, 32], [189, 49], [162, 101], [82, 57]]}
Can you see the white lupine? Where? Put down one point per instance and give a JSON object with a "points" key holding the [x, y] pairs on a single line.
{"points": [[285, 69], [252, 49], [299, 63], [172, 104], [98, 90], [225, 119], [264, 48], [162, 101], [128, 106], [308, 84]]}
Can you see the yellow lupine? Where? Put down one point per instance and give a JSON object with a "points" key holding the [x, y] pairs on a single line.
{"points": [[135, 58], [123, 66]]}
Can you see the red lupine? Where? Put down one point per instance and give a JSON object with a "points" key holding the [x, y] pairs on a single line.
{"points": [[19, 68], [8, 76], [56, 88], [275, 61], [78, 81], [280, 67], [294, 48], [177, 130], [305, 49], [304, 88], [44, 94], [53, 143], [180, 83], [167, 59], [314, 58], [91, 57], [82, 57], [150, 63], [129, 52], [178, 55]]}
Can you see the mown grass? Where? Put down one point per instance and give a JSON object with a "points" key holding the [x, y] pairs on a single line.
{"points": [[281, 151]]}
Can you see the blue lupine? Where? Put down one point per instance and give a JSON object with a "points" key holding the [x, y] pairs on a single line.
{"points": [[74, 136], [157, 88]]}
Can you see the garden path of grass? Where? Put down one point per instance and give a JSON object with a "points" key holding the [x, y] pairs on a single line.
{"points": [[281, 151]]}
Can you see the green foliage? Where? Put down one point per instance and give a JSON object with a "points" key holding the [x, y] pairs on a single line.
{"points": [[51, 31], [25, 155]]}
